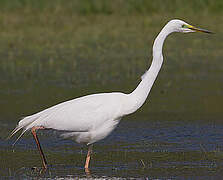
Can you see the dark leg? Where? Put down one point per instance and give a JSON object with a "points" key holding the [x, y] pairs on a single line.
{"points": [[38, 145], [88, 159]]}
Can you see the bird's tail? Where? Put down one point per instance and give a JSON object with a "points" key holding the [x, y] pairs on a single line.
{"points": [[23, 124], [15, 131]]}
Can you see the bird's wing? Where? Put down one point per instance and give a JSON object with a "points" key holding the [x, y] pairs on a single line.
{"points": [[81, 114]]}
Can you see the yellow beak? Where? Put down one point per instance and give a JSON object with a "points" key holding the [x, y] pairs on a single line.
{"points": [[198, 29]]}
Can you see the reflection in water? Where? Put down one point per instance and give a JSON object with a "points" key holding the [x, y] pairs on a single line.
{"points": [[163, 140], [88, 173], [138, 148]]}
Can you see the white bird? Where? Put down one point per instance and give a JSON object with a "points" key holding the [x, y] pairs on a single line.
{"points": [[91, 118]]}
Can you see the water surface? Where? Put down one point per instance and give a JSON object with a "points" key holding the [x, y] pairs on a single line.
{"points": [[177, 134], [137, 148]]}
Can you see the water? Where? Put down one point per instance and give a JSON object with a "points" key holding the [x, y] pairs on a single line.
{"points": [[137, 148], [177, 134]]}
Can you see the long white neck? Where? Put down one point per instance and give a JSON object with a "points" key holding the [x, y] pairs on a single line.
{"points": [[139, 95]]}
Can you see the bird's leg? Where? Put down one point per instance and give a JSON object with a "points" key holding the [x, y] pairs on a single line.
{"points": [[88, 159], [38, 145]]}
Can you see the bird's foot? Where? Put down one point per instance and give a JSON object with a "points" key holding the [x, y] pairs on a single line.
{"points": [[87, 171]]}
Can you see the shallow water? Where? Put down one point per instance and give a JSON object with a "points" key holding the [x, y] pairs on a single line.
{"points": [[137, 148], [177, 134]]}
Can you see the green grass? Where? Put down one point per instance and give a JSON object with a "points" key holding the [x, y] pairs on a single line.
{"points": [[65, 45], [86, 7], [52, 51]]}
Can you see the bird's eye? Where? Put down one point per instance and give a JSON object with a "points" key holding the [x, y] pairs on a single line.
{"points": [[184, 26]]}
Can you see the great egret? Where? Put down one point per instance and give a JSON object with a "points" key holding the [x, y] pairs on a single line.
{"points": [[91, 118]]}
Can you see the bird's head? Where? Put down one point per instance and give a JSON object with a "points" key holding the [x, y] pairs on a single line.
{"points": [[181, 26]]}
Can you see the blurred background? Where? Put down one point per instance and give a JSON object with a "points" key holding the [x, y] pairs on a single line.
{"points": [[52, 51]]}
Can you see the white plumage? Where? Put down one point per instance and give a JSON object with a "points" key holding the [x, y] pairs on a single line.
{"points": [[100, 114], [91, 118]]}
